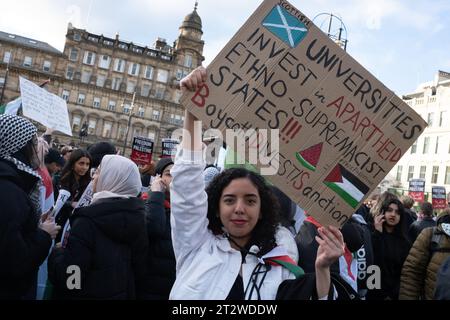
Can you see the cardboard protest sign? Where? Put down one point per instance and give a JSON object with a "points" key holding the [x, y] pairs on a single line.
{"points": [[142, 150], [169, 148], [339, 129], [44, 107], [417, 189], [438, 197]]}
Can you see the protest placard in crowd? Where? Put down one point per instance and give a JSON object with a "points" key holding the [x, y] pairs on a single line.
{"points": [[337, 129], [142, 150], [44, 107]]}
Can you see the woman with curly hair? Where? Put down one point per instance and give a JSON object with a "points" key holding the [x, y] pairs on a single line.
{"points": [[224, 238]]}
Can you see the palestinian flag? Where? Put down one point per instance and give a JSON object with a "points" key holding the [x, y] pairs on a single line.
{"points": [[309, 158], [12, 107], [346, 185]]}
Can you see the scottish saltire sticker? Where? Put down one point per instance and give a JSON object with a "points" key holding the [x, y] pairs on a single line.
{"points": [[285, 26]]}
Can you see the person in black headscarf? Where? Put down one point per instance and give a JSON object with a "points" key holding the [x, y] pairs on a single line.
{"points": [[24, 239]]}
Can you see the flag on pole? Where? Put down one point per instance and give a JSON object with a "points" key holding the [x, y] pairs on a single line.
{"points": [[11, 107]]}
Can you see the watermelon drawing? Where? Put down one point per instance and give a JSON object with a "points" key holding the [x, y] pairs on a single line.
{"points": [[309, 158]]}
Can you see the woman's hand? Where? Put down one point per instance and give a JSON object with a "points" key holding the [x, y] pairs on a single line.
{"points": [[378, 222], [194, 79], [50, 227], [158, 184], [193, 140], [331, 246]]}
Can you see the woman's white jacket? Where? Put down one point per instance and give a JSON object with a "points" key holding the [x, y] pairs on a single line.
{"points": [[206, 264]]}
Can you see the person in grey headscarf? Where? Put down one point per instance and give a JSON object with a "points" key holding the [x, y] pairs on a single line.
{"points": [[108, 239], [24, 239]]}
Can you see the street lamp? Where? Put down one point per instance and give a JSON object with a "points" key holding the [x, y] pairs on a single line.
{"points": [[129, 124]]}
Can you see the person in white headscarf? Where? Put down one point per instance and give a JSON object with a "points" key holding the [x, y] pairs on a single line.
{"points": [[108, 239]]}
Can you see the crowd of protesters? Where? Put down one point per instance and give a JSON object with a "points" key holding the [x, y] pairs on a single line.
{"points": [[185, 229]]}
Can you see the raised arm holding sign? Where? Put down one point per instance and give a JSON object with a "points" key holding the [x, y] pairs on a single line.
{"points": [[238, 217]]}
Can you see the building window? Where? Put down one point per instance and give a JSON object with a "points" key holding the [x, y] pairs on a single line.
{"points": [[93, 39], [151, 134], [81, 98], [155, 115], [77, 37], [137, 132], [119, 65], [188, 61], [126, 108], [107, 126], [123, 46], [447, 175], [435, 174], [399, 173], [131, 86], [426, 145], [100, 80], [410, 172], [423, 171], [141, 112], [69, 73], [442, 118], [2, 81], [436, 146], [104, 62], [121, 132], [89, 58], [149, 72], [92, 125], [178, 95], [145, 90], [76, 122], [162, 76], [85, 77], [414, 147], [133, 69], [7, 57], [116, 83], [28, 61], [66, 95], [159, 92], [73, 56], [430, 119], [46, 66], [96, 103], [112, 105]]}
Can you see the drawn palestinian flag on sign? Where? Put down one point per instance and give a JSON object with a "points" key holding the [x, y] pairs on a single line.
{"points": [[309, 158], [346, 185]]}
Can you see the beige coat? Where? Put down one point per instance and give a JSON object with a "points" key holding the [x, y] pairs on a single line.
{"points": [[418, 277]]}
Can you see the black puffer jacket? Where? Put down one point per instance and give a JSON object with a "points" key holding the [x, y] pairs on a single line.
{"points": [[108, 242], [23, 246], [161, 259]]}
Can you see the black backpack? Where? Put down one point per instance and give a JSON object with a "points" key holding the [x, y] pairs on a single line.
{"points": [[435, 244]]}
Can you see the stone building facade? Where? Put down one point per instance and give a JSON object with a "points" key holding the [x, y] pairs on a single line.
{"points": [[111, 86]]}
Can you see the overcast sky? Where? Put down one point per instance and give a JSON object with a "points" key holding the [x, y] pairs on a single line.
{"points": [[402, 42]]}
